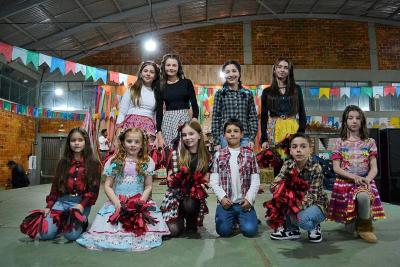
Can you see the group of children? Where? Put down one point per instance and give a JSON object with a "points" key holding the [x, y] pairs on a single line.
{"points": [[233, 175]]}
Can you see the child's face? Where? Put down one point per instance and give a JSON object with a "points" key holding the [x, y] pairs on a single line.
{"points": [[233, 134], [231, 74], [148, 75], [353, 121], [77, 142], [171, 67], [133, 143], [190, 137], [282, 70], [300, 149]]}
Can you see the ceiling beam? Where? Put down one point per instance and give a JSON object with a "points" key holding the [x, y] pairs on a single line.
{"points": [[285, 10], [31, 36], [371, 7], [98, 29], [127, 25], [394, 14], [110, 18], [18, 6], [54, 20], [342, 6], [227, 20], [231, 8], [314, 5], [265, 6]]}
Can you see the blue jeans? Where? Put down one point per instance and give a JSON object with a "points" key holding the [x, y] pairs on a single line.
{"points": [[63, 203], [309, 218], [243, 142], [226, 219]]}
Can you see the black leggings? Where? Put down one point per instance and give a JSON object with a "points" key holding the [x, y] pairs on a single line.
{"points": [[188, 210]]}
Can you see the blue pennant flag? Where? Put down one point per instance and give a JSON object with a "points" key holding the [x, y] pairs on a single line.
{"points": [[355, 91], [314, 91], [100, 74], [57, 63]]}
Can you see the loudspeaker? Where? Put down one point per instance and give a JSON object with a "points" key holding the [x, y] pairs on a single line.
{"points": [[390, 164]]}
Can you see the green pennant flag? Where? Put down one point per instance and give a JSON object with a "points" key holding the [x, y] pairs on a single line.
{"points": [[6, 105], [366, 91], [34, 58], [90, 71], [40, 112], [23, 109]]}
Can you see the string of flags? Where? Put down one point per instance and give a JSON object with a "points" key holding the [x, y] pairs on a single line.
{"points": [[205, 99], [12, 53], [38, 112]]}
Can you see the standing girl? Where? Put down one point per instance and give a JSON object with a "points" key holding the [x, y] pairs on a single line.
{"points": [[138, 106], [127, 174], [354, 195], [176, 92], [233, 101], [75, 185], [185, 199], [282, 106]]}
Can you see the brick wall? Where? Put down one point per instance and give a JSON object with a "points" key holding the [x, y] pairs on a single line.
{"points": [[49, 126], [211, 45], [388, 47], [320, 44], [311, 43], [17, 134]]}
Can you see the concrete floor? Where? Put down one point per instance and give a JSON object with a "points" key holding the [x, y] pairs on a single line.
{"points": [[338, 248]]}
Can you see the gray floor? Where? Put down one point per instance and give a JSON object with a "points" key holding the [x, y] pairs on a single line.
{"points": [[338, 248]]}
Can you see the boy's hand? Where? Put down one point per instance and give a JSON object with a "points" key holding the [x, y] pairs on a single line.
{"points": [[246, 206], [251, 144], [226, 203], [79, 207]]}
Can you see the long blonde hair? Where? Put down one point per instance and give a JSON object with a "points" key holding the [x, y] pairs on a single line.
{"points": [[143, 157], [202, 152]]}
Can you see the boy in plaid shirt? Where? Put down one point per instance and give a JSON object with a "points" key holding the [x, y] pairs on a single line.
{"points": [[313, 205], [235, 180]]}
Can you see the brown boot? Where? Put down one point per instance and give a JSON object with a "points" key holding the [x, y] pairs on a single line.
{"points": [[366, 231]]}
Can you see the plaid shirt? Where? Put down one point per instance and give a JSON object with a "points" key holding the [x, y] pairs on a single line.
{"points": [[247, 167], [312, 173], [75, 185], [234, 104]]}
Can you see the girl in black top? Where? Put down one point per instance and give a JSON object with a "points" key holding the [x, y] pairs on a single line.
{"points": [[176, 93], [282, 106]]}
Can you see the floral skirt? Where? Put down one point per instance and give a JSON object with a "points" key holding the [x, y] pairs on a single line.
{"points": [[343, 208], [142, 122], [104, 236]]}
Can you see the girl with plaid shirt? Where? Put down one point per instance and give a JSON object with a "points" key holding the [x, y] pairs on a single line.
{"points": [[235, 180], [75, 185], [234, 101]]}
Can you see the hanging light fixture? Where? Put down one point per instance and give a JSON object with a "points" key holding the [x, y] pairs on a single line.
{"points": [[150, 44]]}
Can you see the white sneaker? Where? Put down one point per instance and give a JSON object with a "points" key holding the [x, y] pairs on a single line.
{"points": [[315, 235]]}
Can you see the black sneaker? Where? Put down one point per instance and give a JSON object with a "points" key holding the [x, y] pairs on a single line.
{"points": [[281, 234], [315, 235]]}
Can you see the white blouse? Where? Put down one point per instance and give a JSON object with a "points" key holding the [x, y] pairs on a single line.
{"points": [[146, 106]]}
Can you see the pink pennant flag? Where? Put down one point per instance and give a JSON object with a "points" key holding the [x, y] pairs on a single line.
{"points": [[335, 91], [325, 119], [389, 90], [70, 66], [6, 50], [114, 77]]}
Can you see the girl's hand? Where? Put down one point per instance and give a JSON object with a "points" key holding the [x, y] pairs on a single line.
{"points": [[265, 145], [217, 147], [226, 203], [251, 144], [195, 119], [246, 206], [46, 211], [367, 182], [79, 207], [160, 140], [117, 205]]}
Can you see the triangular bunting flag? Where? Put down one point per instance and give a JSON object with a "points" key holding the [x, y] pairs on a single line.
{"points": [[366, 91], [344, 91], [6, 50], [44, 59], [324, 91], [70, 66], [57, 63], [377, 91], [19, 53], [34, 58]]}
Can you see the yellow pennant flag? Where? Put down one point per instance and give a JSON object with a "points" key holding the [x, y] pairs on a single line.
{"points": [[324, 91], [395, 122]]}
